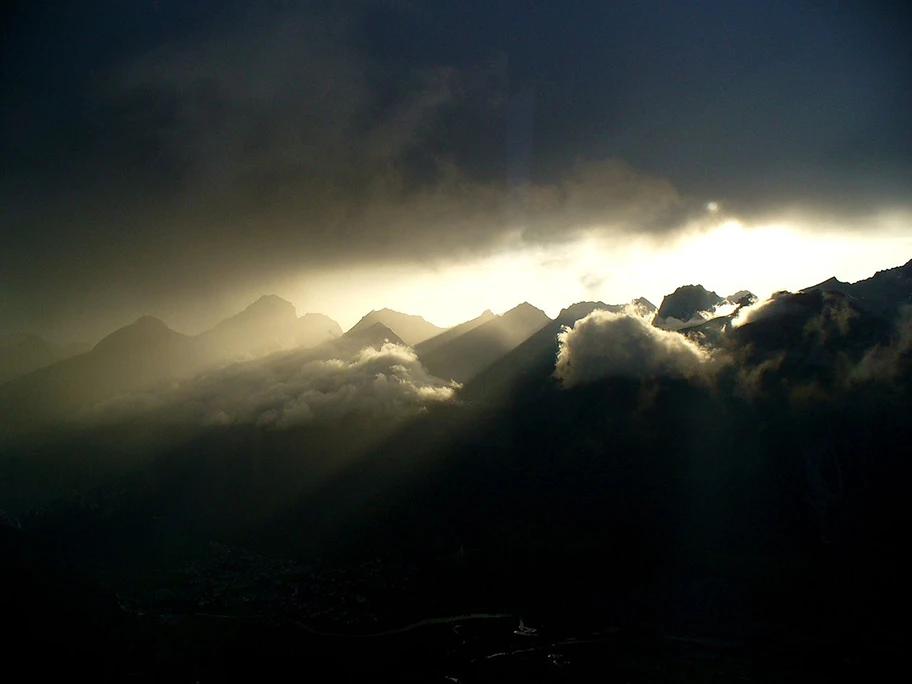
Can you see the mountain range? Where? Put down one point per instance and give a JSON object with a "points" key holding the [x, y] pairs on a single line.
{"points": [[411, 329], [145, 355], [21, 353], [486, 352], [881, 294], [343, 489], [463, 356]]}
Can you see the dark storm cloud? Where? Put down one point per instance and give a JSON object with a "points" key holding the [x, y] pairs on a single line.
{"points": [[164, 150]]}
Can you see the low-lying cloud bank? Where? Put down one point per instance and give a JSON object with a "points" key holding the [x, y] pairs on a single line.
{"points": [[606, 344], [797, 345], [386, 382]]}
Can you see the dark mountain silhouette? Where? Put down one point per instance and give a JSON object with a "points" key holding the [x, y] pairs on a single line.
{"points": [[373, 335], [412, 329], [684, 304], [21, 353], [531, 363], [881, 294], [269, 324], [812, 335], [710, 332], [574, 312], [316, 328], [742, 298], [649, 517], [463, 357], [148, 354], [644, 305], [139, 356], [145, 334], [447, 336]]}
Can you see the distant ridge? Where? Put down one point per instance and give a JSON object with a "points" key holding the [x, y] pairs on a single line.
{"points": [[574, 312], [463, 357], [316, 328], [443, 338], [684, 305], [139, 356], [269, 324], [22, 353], [881, 294], [411, 329], [147, 353], [531, 363], [374, 335], [146, 332]]}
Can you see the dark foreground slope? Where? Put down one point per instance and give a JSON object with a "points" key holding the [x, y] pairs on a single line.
{"points": [[748, 524]]}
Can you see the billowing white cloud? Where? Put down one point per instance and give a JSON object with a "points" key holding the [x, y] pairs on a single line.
{"points": [[387, 382], [606, 344]]}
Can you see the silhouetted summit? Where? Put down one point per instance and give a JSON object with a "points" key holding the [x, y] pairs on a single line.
{"points": [[146, 333], [270, 310], [574, 312], [685, 303], [316, 328], [139, 356], [269, 324], [374, 335], [443, 338], [644, 305], [465, 356], [411, 329], [525, 315], [742, 298], [22, 353], [882, 294]]}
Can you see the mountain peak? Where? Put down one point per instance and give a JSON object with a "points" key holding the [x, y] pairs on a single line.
{"points": [[270, 305], [410, 328], [144, 331], [525, 309], [686, 302], [375, 334], [571, 314], [316, 328], [644, 304]]}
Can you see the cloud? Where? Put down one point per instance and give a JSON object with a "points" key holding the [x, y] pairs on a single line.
{"points": [[274, 142], [285, 390], [884, 363], [606, 344]]}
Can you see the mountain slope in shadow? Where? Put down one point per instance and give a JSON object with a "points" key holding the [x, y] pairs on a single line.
{"points": [[139, 356], [269, 324], [412, 329], [466, 355], [531, 363], [881, 294], [22, 353], [434, 343], [147, 355]]}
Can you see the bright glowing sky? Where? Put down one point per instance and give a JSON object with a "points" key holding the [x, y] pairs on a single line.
{"points": [[726, 258], [181, 159]]}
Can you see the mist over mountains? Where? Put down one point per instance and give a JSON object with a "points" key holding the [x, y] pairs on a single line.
{"points": [[740, 473], [149, 358]]}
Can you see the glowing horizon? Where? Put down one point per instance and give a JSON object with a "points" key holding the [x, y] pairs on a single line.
{"points": [[726, 258]]}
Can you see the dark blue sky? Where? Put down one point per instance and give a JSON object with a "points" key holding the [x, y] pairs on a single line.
{"points": [[163, 148]]}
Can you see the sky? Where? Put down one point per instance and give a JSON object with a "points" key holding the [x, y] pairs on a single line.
{"points": [[180, 159]]}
